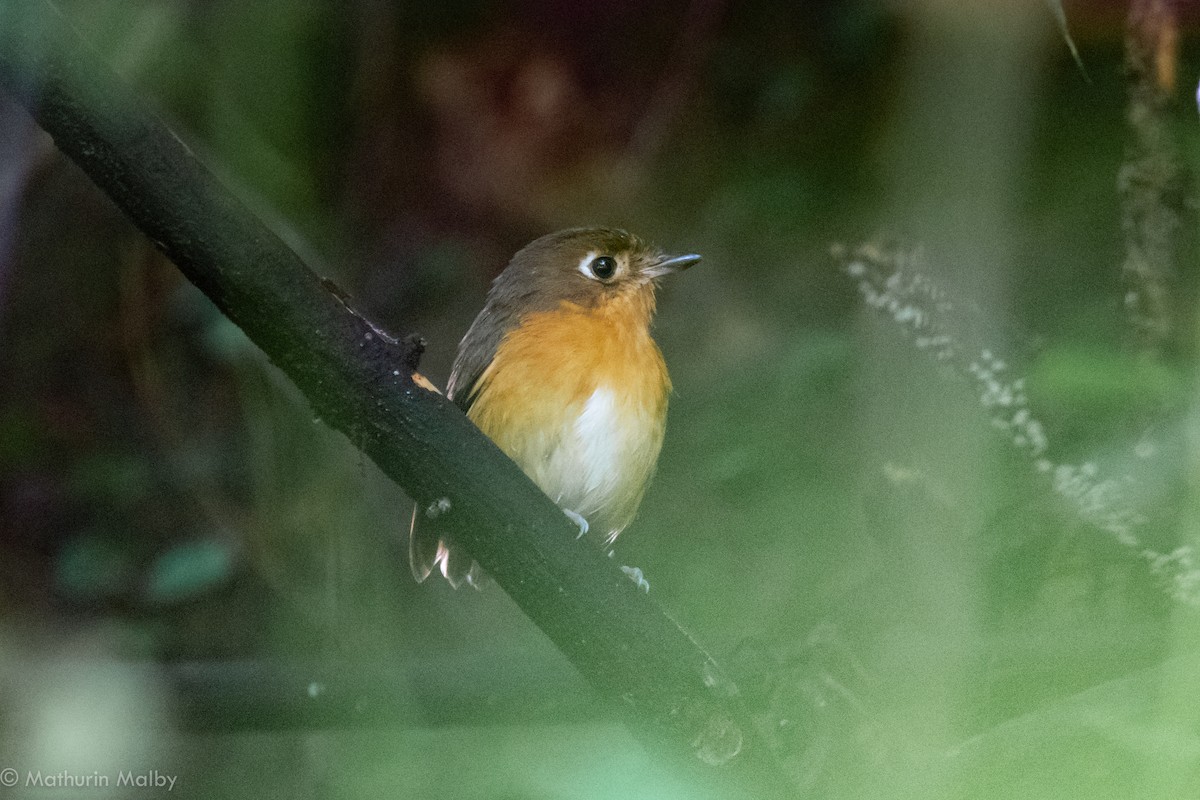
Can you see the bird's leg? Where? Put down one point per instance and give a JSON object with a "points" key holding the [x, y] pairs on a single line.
{"points": [[579, 520], [637, 577]]}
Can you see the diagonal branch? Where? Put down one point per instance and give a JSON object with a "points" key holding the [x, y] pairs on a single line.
{"points": [[358, 381]]}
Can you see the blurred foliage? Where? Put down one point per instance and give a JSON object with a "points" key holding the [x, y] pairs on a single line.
{"points": [[911, 608]]}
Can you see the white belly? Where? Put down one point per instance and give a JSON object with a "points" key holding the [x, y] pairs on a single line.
{"points": [[600, 461]]}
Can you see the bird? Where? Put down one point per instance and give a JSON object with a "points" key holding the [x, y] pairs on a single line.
{"points": [[560, 370]]}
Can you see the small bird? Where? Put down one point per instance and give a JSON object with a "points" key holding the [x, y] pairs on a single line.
{"points": [[560, 371]]}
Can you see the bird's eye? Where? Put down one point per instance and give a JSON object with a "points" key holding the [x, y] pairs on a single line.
{"points": [[603, 267]]}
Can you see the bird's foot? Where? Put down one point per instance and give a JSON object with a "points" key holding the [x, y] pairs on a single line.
{"points": [[637, 577], [579, 520]]}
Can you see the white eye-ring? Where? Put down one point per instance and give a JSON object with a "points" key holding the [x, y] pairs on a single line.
{"points": [[601, 268]]}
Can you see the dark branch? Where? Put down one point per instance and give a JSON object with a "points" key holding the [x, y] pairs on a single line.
{"points": [[357, 379]]}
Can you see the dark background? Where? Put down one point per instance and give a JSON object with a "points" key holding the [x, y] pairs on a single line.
{"points": [[912, 604]]}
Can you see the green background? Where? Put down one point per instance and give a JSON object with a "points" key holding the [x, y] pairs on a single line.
{"points": [[910, 605]]}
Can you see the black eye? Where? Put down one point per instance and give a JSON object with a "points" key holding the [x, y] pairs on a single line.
{"points": [[603, 267]]}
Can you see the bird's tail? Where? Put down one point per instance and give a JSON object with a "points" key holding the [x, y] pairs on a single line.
{"points": [[429, 551], [428, 547]]}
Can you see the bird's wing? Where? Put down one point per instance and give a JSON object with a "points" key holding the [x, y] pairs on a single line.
{"points": [[476, 351]]}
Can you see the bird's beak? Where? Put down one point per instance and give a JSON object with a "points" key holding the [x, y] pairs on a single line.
{"points": [[665, 265]]}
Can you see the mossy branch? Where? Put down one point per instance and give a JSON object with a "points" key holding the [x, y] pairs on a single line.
{"points": [[358, 381]]}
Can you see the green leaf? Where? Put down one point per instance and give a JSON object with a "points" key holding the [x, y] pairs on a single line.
{"points": [[1093, 376], [188, 570]]}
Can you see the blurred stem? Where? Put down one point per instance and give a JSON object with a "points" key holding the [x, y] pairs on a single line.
{"points": [[678, 79], [1152, 180], [359, 381], [150, 389]]}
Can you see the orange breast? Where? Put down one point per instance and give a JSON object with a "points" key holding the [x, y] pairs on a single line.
{"points": [[578, 398]]}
